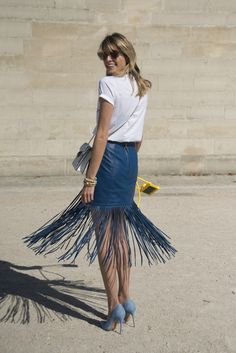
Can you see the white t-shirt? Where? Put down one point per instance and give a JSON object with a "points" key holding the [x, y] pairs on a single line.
{"points": [[121, 93]]}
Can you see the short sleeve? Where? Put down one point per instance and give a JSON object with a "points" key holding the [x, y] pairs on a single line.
{"points": [[106, 91]]}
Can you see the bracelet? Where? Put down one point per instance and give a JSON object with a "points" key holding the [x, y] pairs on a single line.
{"points": [[90, 182], [89, 185]]}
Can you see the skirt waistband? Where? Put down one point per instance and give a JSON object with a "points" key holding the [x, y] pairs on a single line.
{"points": [[122, 143]]}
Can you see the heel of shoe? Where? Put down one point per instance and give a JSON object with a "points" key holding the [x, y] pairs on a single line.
{"points": [[127, 317], [117, 316], [130, 308], [121, 322]]}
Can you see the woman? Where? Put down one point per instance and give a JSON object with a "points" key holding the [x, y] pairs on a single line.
{"points": [[105, 205]]}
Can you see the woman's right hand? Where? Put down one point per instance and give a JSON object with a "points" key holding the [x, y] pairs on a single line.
{"points": [[87, 194]]}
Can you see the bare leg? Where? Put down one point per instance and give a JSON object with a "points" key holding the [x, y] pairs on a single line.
{"points": [[123, 267], [108, 270]]}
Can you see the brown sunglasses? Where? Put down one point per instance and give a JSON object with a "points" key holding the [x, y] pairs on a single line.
{"points": [[114, 55]]}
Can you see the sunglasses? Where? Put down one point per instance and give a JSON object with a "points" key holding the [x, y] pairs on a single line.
{"points": [[114, 55]]}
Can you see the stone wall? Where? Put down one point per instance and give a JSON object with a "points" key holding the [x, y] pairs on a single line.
{"points": [[49, 73]]}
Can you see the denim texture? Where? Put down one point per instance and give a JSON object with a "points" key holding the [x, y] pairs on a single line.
{"points": [[117, 175]]}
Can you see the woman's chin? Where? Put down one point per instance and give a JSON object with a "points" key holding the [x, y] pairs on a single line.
{"points": [[111, 71]]}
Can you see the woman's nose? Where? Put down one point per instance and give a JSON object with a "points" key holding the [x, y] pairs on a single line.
{"points": [[108, 58]]}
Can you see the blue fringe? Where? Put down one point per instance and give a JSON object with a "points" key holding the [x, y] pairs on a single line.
{"points": [[76, 226]]}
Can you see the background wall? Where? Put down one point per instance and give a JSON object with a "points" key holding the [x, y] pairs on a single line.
{"points": [[49, 73]]}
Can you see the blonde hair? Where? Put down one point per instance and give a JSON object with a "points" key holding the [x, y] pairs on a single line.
{"points": [[117, 41]]}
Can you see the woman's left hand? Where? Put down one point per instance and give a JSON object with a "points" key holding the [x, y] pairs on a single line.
{"points": [[87, 194]]}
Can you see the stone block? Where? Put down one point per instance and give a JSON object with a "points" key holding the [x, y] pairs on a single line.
{"points": [[155, 129], [173, 5], [230, 112], [165, 129], [211, 129], [54, 30], [28, 3], [15, 97], [173, 113], [35, 147], [14, 80], [9, 130], [12, 112], [32, 130], [136, 17], [164, 50], [79, 128], [153, 147], [201, 50], [162, 34], [55, 147], [203, 98], [148, 5], [192, 147], [159, 165], [64, 97], [191, 66], [104, 5], [216, 35], [186, 5], [24, 13], [212, 83], [47, 64], [47, 47], [69, 113], [193, 98], [62, 147], [62, 80], [66, 14], [209, 50], [78, 64], [72, 4], [161, 99], [60, 64], [224, 146], [32, 166], [60, 97], [12, 63], [14, 29], [188, 19], [11, 46], [128, 30], [231, 19], [192, 165], [65, 30], [51, 129], [13, 147], [205, 112], [221, 164], [222, 6], [46, 14], [176, 83], [84, 47]]}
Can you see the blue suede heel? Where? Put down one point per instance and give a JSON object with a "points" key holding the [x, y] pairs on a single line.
{"points": [[130, 308], [117, 315]]}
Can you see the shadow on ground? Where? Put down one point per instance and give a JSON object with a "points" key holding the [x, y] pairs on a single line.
{"points": [[21, 295]]}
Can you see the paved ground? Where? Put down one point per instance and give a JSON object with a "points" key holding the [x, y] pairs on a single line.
{"points": [[185, 306]]}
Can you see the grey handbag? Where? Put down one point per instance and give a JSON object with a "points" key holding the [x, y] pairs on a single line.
{"points": [[83, 157]]}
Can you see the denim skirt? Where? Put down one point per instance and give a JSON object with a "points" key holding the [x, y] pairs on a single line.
{"points": [[117, 175], [112, 218]]}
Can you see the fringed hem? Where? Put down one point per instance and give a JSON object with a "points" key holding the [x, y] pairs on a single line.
{"points": [[98, 228]]}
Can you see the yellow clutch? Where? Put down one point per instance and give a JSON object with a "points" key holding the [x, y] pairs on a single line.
{"points": [[147, 187]]}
